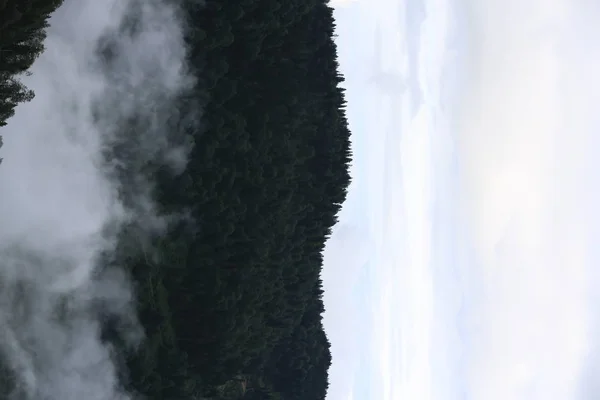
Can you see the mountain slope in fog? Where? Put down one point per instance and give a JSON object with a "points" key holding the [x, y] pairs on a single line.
{"points": [[171, 188]]}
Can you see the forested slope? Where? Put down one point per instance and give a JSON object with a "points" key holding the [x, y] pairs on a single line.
{"points": [[230, 296], [236, 299]]}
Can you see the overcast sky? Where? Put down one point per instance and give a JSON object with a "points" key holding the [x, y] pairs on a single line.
{"points": [[463, 266]]}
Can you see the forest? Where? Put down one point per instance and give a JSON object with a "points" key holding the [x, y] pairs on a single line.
{"points": [[231, 298]]}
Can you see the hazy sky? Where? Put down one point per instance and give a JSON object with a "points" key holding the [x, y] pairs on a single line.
{"points": [[463, 266]]}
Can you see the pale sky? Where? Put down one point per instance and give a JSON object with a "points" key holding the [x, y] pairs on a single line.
{"points": [[463, 266]]}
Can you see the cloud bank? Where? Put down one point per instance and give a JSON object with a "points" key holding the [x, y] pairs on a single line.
{"points": [[107, 63]]}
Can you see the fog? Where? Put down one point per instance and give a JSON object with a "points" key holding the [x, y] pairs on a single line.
{"points": [[70, 179]]}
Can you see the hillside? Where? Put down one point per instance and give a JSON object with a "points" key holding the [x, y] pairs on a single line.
{"points": [[230, 295]]}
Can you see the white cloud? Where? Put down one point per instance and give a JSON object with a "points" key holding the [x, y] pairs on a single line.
{"points": [[397, 171], [341, 3], [519, 300], [523, 136], [347, 252], [497, 306]]}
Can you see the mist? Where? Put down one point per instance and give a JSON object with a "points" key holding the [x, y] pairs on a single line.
{"points": [[71, 180]]}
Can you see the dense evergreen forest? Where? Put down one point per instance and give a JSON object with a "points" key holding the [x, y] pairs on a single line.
{"points": [[231, 297]]}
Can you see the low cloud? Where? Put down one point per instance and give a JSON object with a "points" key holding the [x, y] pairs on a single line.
{"points": [[63, 204]]}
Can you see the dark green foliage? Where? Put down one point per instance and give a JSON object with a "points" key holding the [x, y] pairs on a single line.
{"points": [[233, 296], [22, 33]]}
